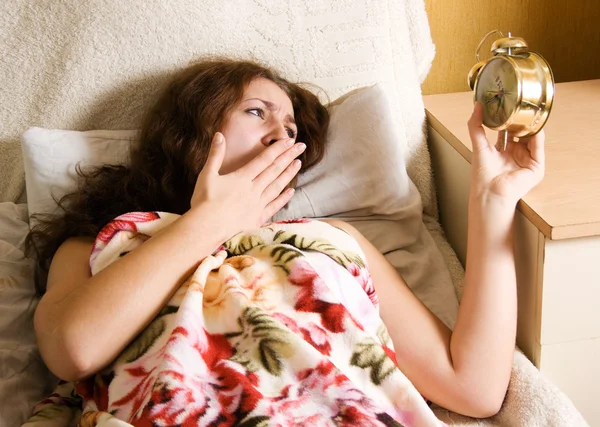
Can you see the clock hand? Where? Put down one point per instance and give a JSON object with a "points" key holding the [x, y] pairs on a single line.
{"points": [[495, 92], [491, 99]]}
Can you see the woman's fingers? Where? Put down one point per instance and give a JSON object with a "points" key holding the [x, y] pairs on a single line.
{"points": [[261, 162], [536, 146], [274, 171], [275, 188], [529, 152], [216, 154], [476, 131], [275, 206]]}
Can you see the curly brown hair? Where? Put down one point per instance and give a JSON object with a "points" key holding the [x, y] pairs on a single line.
{"points": [[172, 148]]}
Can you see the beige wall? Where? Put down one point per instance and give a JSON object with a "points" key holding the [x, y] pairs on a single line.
{"points": [[565, 32]]}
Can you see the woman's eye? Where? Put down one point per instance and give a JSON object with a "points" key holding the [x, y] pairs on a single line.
{"points": [[291, 132], [256, 112]]}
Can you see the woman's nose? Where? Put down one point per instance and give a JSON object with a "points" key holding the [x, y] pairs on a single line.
{"points": [[278, 132]]}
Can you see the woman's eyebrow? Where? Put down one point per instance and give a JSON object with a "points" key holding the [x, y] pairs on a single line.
{"points": [[272, 107]]}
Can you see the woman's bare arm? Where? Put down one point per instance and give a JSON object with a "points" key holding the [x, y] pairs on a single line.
{"points": [[466, 371], [82, 323]]}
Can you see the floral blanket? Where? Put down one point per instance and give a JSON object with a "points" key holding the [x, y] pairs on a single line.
{"points": [[285, 331]]}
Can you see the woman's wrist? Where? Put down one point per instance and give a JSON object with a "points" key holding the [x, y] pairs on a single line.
{"points": [[491, 214], [206, 220], [488, 201]]}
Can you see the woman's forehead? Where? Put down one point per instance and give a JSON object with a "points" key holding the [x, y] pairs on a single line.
{"points": [[269, 92]]}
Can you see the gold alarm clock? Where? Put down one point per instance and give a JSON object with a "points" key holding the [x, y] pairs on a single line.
{"points": [[515, 86]]}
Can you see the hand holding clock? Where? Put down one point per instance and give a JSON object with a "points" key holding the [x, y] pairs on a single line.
{"points": [[507, 174]]}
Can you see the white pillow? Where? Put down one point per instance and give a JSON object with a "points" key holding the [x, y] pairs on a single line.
{"points": [[362, 179], [50, 157]]}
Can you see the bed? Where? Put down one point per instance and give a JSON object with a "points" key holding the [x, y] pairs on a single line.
{"points": [[76, 77]]}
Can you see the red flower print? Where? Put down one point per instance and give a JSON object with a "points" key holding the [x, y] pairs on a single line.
{"points": [[312, 333], [364, 278], [125, 222], [322, 396], [218, 397], [312, 294], [139, 216], [293, 221], [197, 385]]}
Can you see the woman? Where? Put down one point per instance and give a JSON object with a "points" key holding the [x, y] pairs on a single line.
{"points": [[220, 149]]}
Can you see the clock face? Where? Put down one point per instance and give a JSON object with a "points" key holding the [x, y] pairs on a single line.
{"points": [[497, 90]]}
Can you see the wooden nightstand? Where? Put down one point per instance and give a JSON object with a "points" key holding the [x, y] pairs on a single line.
{"points": [[557, 233]]}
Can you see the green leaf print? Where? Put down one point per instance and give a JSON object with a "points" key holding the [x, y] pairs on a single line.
{"points": [[318, 245], [167, 309], [243, 358], [370, 354], [388, 421], [383, 335], [262, 341], [242, 243], [54, 412], [270, 355], [144, 341], [282, 255], [259, 421]]}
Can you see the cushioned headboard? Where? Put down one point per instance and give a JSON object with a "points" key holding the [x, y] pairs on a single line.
{"points": [[98, 64]]}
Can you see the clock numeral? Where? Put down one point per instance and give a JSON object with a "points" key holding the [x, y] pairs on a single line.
{"points": [[499, 83]]}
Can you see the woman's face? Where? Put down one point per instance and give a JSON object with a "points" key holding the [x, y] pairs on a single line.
{"points": [[264, 115]]}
